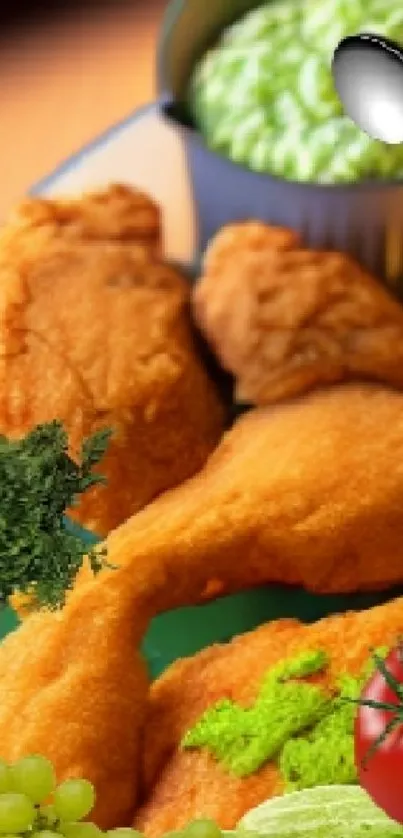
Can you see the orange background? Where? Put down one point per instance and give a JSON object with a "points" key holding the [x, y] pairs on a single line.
{"points": [[64, 77]]}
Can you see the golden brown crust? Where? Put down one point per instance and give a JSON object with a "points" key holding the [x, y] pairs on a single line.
{"points": [[73, 687], [117, 214], [284, 320], [305, 493], [252, 237], [100, 336], [182, 785]]}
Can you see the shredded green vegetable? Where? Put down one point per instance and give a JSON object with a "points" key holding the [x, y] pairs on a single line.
{"points": [[264, 95]]}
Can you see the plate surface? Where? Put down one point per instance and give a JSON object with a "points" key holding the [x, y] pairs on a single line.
{"points": [[146, 151]]}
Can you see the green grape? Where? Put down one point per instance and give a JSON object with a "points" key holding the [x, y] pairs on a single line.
{"points": [[124, 832], [35, 777], [80, 830], [44, 833], [202, 828], [74, 799], [5, 777], [16, 813], [48, 814]]}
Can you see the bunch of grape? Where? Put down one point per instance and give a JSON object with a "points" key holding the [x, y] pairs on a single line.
{"points": [[32, 804]]}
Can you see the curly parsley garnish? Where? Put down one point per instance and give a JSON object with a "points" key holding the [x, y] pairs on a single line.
{"points": [[39, 557]]}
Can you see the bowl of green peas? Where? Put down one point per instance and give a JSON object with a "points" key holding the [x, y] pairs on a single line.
{"points": [[249, 86]]}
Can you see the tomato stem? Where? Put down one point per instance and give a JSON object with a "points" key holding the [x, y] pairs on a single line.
{"points": [[389, 728], [389, 678], [375, 705], [396, 709]]}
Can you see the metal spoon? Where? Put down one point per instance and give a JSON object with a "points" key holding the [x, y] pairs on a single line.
{"points": [[368, 75]]}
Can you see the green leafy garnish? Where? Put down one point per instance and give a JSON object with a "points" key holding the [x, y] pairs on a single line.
{"points": [[307, 731], [39, 557], [244, 738]]}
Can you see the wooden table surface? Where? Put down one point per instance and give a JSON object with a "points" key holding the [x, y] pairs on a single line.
{"points": [[65, 77]]}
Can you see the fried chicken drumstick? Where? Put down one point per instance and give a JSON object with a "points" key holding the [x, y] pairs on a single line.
{"points": [[307, 493]]}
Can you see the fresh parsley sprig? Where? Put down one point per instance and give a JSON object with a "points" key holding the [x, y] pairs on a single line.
{"points": [[39, 481]]}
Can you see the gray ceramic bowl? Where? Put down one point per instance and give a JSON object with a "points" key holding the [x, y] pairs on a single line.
{"points": [[364, 219]]}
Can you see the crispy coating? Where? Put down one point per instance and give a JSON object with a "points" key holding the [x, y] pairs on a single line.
{"points": [[116, 214], [252, 237], [182, 785], [74, 688], [100, 336], [284, 320], [307, 493]]}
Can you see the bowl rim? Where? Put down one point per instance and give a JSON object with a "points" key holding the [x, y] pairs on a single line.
{"points": [[166, 98]]}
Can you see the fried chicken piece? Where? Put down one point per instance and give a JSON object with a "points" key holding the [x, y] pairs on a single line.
{"points": [[116, 214], [306, 493], [74, 688], [252, 237], [284, 320], [185, 784], [99, 335]]}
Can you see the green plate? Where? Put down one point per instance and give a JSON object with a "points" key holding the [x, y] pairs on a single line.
{"points": [[185, 631]]}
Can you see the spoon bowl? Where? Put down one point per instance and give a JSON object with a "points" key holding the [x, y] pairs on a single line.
{"points": [[368, 76]]}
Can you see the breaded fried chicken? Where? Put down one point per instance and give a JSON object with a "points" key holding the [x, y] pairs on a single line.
{"points": [[116, 214], [73, 687], [97, 333], [306, 493], [252, 237], [181, 785], [284, 320]]}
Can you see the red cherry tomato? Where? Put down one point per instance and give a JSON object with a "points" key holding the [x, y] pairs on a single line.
{"points": [[379, 738]]}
